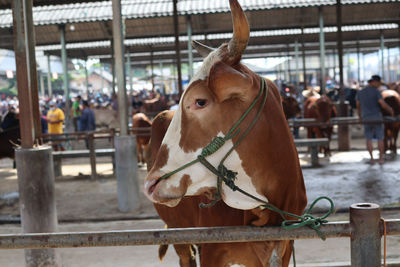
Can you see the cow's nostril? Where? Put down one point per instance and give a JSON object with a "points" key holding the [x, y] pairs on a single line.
{"points": [[153, 185]]}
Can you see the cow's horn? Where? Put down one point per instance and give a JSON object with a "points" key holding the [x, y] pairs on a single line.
{"points": [[241, 32], [202, 49]]}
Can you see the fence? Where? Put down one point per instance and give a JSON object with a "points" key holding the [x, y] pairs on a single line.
{"points": [[365, 230]]}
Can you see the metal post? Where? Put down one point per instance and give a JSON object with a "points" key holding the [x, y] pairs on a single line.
{"points": [[358, 62], [296, 52], [49, 89], [288, 64], [126, 172], [152, 70], [92, 155], [334, 64], [65, 76], [120, 66], [87, 79], [322, 49], [365, 236], [37, 200], [304, 60], [41, 83], [130, 70], [343, 132], [112, 68], [24, 94], [382, 42], [190, 50], [177, 48], [388, 80]]}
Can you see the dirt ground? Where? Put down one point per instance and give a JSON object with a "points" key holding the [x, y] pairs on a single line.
{"points": [[86, 205]]}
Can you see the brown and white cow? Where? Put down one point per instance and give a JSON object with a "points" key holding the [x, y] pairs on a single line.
{"points": [[322, 109], [141, 128], [266, 160], [392, 98]]}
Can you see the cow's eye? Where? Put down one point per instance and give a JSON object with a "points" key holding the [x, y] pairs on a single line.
{"points": [[201, 103]]}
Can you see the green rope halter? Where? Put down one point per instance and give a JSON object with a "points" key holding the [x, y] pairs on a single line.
{"points": [[228, 176]]}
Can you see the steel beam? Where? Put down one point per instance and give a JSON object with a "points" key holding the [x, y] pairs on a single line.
{"points": [[87, 79], [177, 47], [296, 52], [65, 77], [120, 66], [49, 88], [190, 48], [322, 49], [382, 53]]}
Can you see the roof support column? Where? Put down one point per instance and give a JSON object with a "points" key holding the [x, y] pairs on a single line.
{"points": [[358, 62], [49, 89], [322, 49], [87, 79], [334, 63], [288, 64], [304, 60], [129, 67], [152, 70], [382, 43], [24, 92], [190, 50], [343, 132], [177, 48], [41, 83], [125, 144], [65, 76], [112, 68], [296, 55]]}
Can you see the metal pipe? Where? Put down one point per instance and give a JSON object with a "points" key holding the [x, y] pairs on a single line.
{"points": [[340, 49], [288, 64], [65, 76], [190, 50], [388, 80], [120, 66], [152, 70], [303, 54], [358, 62], [177, 48], [31, 62], [49, 88], [365, 235], [169, 236], [129, 70], [296, 52], [382, 44], [322, 49], [87, 79], [24, 94], [41, 83]]}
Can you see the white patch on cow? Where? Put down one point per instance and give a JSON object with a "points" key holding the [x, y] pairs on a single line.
{"points": [[237, 265], [201, 177], [275, 260], [204, 70]]}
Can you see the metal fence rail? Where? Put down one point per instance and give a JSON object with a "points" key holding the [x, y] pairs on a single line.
{"points": [[177, 236]]}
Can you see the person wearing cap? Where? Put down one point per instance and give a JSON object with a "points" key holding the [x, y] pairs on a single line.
{"points": [[369, 102], [55, 120]]}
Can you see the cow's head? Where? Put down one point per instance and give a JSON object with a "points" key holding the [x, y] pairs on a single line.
{"points": [[214, 100], [324, 109]]}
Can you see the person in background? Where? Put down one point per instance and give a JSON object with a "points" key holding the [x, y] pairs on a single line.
{"points": [[87, 120], [55, 120], [368, 101], [76, 113]]}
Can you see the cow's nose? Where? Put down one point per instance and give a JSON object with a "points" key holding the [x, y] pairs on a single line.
{"points": [[151, 182]]}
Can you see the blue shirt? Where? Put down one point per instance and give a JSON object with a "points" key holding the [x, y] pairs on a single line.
{"points": [[87, 120], [370, 108]]}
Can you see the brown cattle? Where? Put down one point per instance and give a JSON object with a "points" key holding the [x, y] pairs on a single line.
{"points": [[154, 106], [291, 107], [322, 109], [141, 128], [392, 98], [265, 162]]}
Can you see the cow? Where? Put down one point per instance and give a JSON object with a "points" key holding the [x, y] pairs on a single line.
{"points": [[106, 118], [265, 161], [154, 106], [141, 128], [291, 107], [322, 109], [392, 98]]}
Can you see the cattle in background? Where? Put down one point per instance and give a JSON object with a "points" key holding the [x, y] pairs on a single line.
{"points": [[152, 107], [141, 128], [9, 135], [106, 117], [392, 98], [395, 86], [291, 107], [322, 109], [266, 160]]}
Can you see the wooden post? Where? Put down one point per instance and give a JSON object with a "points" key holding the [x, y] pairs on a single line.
{"points": [[92, 155]]}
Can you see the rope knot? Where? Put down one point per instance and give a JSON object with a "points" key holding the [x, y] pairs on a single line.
{"points": [[230, 176], [213, 146]]}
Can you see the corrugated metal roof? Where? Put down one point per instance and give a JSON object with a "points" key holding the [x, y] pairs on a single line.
{"points": [[102, 11]]}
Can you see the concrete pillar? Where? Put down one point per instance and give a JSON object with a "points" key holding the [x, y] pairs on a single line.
{"points": [[49, 89], [127, 173], [322, 49], [37, 200], [65, 76], [366, 235]]}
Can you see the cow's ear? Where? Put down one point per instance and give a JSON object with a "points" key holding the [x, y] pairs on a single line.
{"points": [[226, 82]]}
